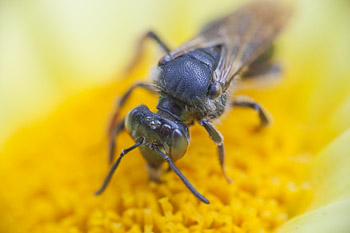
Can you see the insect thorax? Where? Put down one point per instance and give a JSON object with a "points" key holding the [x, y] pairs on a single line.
{"points": [[185, 82]]}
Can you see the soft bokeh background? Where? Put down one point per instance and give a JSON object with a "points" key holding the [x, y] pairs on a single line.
{"points": [[53, 50], [50, 50]]}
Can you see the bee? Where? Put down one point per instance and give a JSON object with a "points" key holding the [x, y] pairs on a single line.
{"points": [[194, 83]]}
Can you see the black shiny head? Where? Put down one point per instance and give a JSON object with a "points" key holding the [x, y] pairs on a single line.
{"points": [[168, 135], [163, 139], [160, 139]]}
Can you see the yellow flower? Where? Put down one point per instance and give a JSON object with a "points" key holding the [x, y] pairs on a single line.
{"points": [[330, 207], [283, 178]]}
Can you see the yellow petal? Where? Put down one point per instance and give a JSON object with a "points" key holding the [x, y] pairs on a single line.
{"points": [[331, 171], [328, 219], [330, 208], [339, 121]]}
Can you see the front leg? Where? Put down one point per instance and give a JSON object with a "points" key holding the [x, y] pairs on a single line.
{"points": [[148, 86], [113, 128], [246, 102], [139, 49], [181, 176], [217, 138], [112, 138]]}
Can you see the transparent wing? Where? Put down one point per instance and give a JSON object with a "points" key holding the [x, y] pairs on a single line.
{"points": [[242, 36]]}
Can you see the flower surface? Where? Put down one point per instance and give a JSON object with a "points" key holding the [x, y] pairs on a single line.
{"points": [[55, 166], [50, 169]]}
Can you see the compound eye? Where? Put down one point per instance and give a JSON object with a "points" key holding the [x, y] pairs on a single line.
{"points": [[215, 90], [165, 131], [178, 144]]}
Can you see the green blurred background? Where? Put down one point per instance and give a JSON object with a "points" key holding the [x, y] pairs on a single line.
{"points": [[52, 49]]}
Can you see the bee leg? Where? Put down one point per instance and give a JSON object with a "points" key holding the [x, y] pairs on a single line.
{"points": [[217, 138], [115, 166], [148, 86], [155, 37], [140, 49], [181, 176], [248, 103], [112, 138]]}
